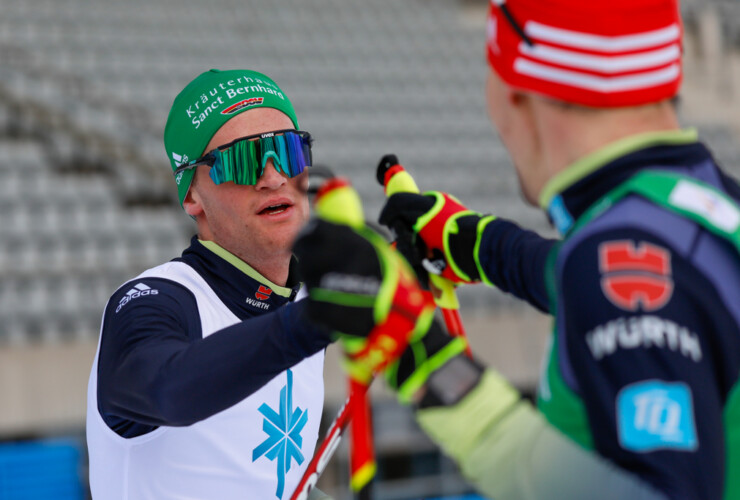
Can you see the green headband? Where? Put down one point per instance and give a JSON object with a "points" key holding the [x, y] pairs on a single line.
{"points": [[208, 102]]}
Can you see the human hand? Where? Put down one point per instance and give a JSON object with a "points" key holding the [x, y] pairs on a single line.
{"points": [[365, 291], [441, 229]]}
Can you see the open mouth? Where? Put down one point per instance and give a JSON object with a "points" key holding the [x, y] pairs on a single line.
{"points": [[274, 209]]}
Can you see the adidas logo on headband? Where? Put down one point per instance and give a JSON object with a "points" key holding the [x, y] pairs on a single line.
{"points": [[179, 159]]}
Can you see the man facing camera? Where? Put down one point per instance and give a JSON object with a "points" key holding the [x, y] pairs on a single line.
{"points": [[208, 382]]}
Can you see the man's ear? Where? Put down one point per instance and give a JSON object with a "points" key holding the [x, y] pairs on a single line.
{"points": [[517, 98], [192, 202]]}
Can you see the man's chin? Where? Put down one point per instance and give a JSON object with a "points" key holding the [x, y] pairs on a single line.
{"points": [[285, 232]]}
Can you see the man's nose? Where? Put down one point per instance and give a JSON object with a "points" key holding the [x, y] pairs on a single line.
{"points": [[271, 178]]}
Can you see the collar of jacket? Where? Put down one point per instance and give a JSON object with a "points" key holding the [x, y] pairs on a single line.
{"points": [[283, 291], [569, 193], [241, 288]]}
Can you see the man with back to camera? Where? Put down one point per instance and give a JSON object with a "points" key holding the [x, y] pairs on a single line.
{"points": [[208, 382], [639, 391]]}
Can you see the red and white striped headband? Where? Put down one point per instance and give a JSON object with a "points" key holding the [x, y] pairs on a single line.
{"points": [[593, 53]]}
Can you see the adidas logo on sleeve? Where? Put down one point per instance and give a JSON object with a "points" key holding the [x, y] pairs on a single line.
{"points": [[137, 291]]}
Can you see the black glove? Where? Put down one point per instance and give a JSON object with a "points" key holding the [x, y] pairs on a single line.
{"points": [[364, 290], [407, 242], [438, 227], [334, 260]]}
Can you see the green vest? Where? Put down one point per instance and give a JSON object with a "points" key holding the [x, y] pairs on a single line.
{"points": [[695, 200]]}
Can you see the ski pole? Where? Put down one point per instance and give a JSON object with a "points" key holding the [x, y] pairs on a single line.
{"points": [[337, 202], [395, 179], [330, 444]]}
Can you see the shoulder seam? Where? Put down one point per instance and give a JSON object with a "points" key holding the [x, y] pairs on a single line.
{"points": [[132, 282]]}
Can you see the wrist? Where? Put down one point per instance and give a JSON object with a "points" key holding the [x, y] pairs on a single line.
{"points": [[464, 245], [450, 383]]}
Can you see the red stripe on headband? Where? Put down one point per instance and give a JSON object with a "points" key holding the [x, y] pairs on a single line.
{"points": [[599, 54]]}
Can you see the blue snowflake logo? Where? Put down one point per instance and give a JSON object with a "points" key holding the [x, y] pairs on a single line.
{"points": [[283, 429]]}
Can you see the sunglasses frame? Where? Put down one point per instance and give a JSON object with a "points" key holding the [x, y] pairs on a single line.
{"points": [[210, 157], [501, 4]]}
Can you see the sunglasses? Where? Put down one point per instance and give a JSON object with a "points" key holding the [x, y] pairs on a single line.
{"points": [[243, 160], [501, 4]]}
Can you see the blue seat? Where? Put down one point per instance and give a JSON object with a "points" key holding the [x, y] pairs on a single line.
{"points": [[40, 471]]}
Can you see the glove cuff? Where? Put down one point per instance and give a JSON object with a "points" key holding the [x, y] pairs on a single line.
{"points": [[429, 349], [419, 377], [451, 383], [463, 235], [482, 225]]}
